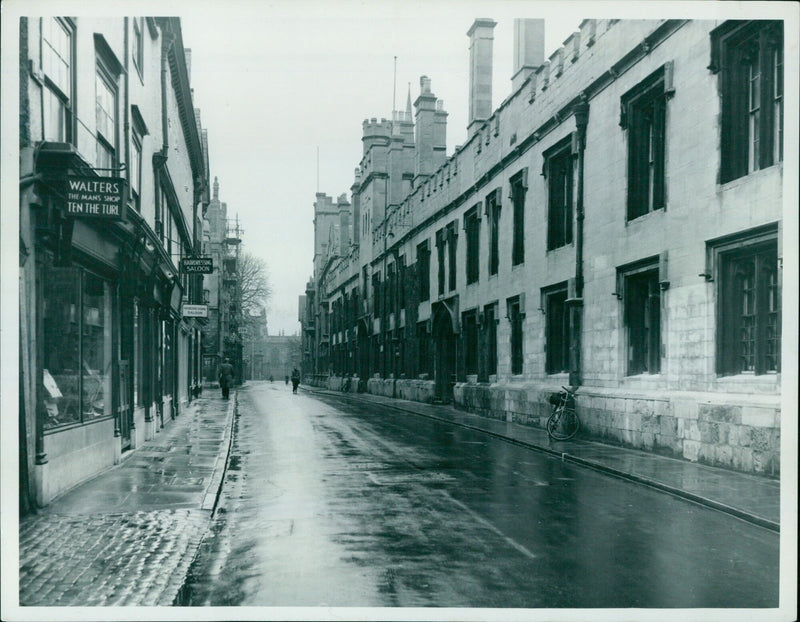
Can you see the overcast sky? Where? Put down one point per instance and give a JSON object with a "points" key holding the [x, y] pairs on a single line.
{"points": [[275, 81]]}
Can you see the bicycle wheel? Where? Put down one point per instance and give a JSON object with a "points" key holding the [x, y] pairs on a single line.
{"points": [[563, 424]]}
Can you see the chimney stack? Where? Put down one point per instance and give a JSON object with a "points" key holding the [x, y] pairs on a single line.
{"points": [[187, 52], [528, 49], [424, 127], [481, 39], [344, 225]]}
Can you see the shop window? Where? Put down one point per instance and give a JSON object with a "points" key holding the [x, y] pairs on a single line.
{"points": [[60, 346], [167, 328], [59, 75], [77, 346], [472, 225], [749, 57], [641, 296], [493, 220], [516, 314], [643, 116], [559, 171], [519, 186], [137, 355], [469, 321], [424, 270], [557, 329], [96, 350], [749, 303]]}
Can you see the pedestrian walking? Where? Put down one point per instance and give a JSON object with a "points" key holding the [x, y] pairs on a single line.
{"points": [[225, 377], [287, 380], [295, 379]]}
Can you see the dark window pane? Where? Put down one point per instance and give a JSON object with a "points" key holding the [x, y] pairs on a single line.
{"points": [[518, 243], [751, 86], [60, 382], [96, 348], [749, 312], [559, 215], [643, 322], [557, 353]]}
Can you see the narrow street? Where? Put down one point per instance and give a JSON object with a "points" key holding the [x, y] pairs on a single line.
{"points": [[328, 501]]}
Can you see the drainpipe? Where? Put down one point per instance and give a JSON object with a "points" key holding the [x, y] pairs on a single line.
{"points": [[126, 283], [581, 111], [159, 161]]}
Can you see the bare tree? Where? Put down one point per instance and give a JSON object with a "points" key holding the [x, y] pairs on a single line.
{"points": [[254, 283]]}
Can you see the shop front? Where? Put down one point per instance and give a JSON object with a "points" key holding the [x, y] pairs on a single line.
{"points": [[97, 357]]}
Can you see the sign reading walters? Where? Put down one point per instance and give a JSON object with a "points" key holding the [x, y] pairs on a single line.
{"points": [[95, 197]]}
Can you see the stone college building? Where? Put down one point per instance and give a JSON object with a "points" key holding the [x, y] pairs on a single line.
{"points": [[615, 225]]}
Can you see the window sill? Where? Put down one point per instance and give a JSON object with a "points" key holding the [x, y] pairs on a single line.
{"points": [[72, 426], [558, 248], [641, 217], [751, 378], [773, 169]]}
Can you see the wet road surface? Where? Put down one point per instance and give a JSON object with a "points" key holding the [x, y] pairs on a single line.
{"points": [[331, 503]]}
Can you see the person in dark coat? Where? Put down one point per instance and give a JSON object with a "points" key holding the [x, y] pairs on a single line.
{"points": [[295, 379], [225, 377]]}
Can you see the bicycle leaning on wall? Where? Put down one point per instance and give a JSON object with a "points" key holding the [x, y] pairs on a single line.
{"points": [[563, 423]]}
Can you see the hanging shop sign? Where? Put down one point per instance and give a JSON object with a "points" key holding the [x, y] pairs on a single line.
{"points": [[197, 265], [95, 197], [195, 310]]}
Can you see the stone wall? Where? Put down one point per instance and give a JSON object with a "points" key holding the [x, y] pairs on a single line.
{"points": [[719, 430]]}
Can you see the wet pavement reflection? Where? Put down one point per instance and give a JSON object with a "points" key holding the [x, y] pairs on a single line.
{"points": [[330, 502]]}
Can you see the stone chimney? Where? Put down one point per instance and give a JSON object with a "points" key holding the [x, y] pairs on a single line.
{"points": [[344, 225], [355, 193], [187, 53], [425, 120], [528, 49], [481, 39], [439, 135]]}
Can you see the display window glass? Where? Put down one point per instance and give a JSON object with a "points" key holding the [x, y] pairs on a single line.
{"points": [[77, 344]]}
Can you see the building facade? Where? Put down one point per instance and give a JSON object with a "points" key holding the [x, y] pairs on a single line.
{"points": [[221, 242], [614, 225], [275, 356], [113, 169]]}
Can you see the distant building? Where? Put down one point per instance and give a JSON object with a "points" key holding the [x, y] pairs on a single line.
{"points": [[615, 224], [277, 356]]}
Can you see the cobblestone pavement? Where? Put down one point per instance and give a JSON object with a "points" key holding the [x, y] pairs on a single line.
{"points": [[108, 559], [128, 536]]}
